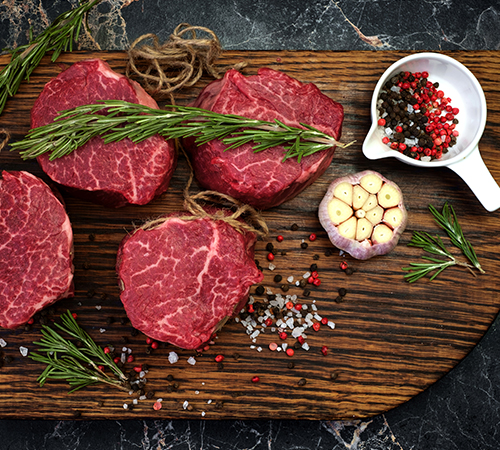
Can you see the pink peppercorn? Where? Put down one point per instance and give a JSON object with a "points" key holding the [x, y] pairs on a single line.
{"points": [[255, 379]]}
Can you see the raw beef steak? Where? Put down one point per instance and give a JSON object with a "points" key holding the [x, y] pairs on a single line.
{"points": [[36, 248], [114, 174], [262, 179], [182, 280]]}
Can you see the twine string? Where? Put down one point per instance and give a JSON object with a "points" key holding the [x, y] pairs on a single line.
{"points": [[178, 62], [4, 138]]}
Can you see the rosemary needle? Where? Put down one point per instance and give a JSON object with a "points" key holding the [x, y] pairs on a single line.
{"points": [[75, 127], [58, 37], [79, 366]]}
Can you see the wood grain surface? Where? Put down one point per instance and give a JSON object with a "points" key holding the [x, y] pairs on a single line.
{"points": [[392, 339]]}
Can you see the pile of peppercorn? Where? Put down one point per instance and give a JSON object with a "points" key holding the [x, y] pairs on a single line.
{"points": [[418, 119]]}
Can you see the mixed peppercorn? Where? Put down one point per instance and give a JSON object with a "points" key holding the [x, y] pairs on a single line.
{"points": [[417, 117]]}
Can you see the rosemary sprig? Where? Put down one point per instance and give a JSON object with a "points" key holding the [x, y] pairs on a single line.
{"points": [[58, 37], [447, 220], [74, 127], [77, 365]]}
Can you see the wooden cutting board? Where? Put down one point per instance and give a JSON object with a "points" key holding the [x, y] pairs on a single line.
{"points": [[392, 339]]}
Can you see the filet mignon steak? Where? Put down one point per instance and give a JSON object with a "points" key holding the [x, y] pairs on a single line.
{"points": [[114, 174], [261, 179], [181, 280], [36, 248]]}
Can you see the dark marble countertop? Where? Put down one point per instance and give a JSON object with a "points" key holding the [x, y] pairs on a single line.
{"points": [[462, 410]]}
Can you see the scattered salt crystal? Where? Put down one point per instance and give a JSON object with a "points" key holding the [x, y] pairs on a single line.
{"points": [[135, 401], [123, 358], [304, 307], [159, 400], [317, 317], [278, 349], [284, 346], [254, 334], [196, 392], [279, 322], [259, 349], [305, 346], [191, 361], [309, 316], [251, 300], [125, 406], [252, 347], [297, 283], [297, 331], [185, 404], [314, 307], [269, 291], [293, 298], [142, 374], [2, 343], [102, 330], [23, 350], [173, 357], [425, 158], [272, 266], [236, 319], [143, 397], [209, 401], [331, 324], [306, 275], [203, 414], [289, 323], [98, 307], [290, 279]]}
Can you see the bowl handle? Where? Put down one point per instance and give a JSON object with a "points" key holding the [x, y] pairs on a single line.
{"points": [[479, 179]]}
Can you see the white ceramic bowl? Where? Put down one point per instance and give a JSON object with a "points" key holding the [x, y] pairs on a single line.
{"points": [[458, 83]]}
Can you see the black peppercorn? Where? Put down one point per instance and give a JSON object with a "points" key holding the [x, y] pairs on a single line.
{"points": [[259, 290], [342, 291], [278, 278]]}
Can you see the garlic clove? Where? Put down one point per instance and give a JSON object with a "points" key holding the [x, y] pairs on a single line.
{"points": [[360, 196], [375, 215], [370, 203], [339, 211], [371, 182], [393, 217], [363, 229], [344, 192], [388, 196], [381, 234], [347, 229]]}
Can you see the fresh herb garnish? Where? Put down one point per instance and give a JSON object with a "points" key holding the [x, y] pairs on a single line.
{"points": [[75, 127], [447, 220], [79, 366], [58, 37]]}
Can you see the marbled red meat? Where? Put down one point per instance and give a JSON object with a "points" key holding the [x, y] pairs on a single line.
{"points": [[114, 174], [36, 248], [262, 179], [182, 280]]}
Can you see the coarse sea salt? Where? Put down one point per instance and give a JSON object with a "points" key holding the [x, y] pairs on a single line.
{"points": [[185, 404], [173, 357], [191, 361], [23, 350], [2, 343]]}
